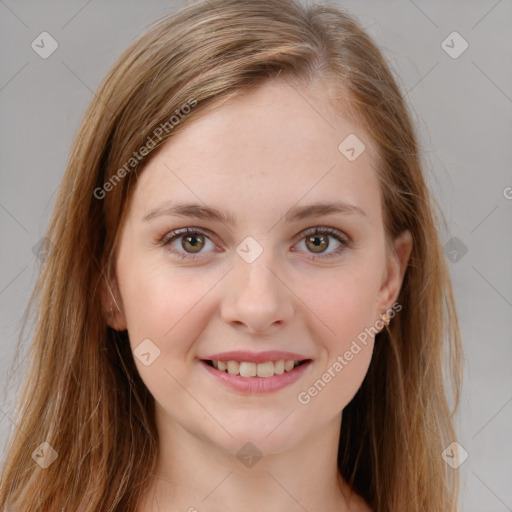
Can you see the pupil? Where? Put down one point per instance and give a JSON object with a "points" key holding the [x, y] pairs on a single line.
{"points": [[318, 241], [193, 241]]}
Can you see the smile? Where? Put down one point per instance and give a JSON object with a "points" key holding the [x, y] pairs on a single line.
{"points": [[255, 378], [247, 369]]}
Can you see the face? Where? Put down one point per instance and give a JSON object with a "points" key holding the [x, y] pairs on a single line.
{"points": [[271, 280]]}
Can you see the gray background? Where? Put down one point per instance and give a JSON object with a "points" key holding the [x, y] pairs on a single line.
{"points": [[463, 111]]}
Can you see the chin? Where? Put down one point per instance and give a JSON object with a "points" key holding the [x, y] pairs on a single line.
{"points": [[262, 437]]}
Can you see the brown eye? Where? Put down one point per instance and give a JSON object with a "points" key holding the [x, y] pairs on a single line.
{"points": [[187, 243], [317, 243], [193, 243]]}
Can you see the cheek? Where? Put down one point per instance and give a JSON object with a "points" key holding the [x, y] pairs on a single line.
{"points": [[345, 303], [163, 306], [169, 309], [347, 308], [344, 300], [335, 385]]}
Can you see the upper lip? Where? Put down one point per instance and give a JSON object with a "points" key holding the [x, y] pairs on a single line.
{"points": [[255, 357]]}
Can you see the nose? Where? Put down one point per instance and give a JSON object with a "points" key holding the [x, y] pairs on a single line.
{"points": [[256, 297]]}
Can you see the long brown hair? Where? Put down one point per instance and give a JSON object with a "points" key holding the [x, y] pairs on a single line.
{"points": [[82, 393]]}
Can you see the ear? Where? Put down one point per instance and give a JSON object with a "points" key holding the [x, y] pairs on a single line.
{"points": [[396, 265], [111, 303]]}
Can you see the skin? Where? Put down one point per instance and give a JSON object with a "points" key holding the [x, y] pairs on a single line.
{"points": [[257, 155]]}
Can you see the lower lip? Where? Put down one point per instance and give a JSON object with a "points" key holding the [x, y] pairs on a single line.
{"points": [[258, 385]]}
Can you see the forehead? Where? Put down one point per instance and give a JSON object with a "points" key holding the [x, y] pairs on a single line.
{"points": [[274, 145]]}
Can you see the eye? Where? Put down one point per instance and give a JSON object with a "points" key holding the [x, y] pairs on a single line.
{"points": [[187, 243], [316, 240], [190, 240]]}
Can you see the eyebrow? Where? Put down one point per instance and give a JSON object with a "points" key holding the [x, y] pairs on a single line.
{"points": [[296, 213]]}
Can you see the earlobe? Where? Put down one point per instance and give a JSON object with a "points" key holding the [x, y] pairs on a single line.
{"points": [[112, 305]]}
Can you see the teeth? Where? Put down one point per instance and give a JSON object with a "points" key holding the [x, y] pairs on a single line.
{"points": [[279, 367], [265, 369], [233, 367], [246, 369], [289, 365]]}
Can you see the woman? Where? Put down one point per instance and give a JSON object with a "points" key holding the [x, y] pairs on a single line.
{"points": [[245, 304]]}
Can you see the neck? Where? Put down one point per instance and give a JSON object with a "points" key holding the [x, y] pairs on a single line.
{"points": [[194, 474]]}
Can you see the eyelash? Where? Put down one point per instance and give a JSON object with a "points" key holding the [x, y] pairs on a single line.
{"points": [[168, 238]]}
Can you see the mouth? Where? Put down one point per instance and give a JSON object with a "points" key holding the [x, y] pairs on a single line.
{"points": [[264, 370], [252, 378]]}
